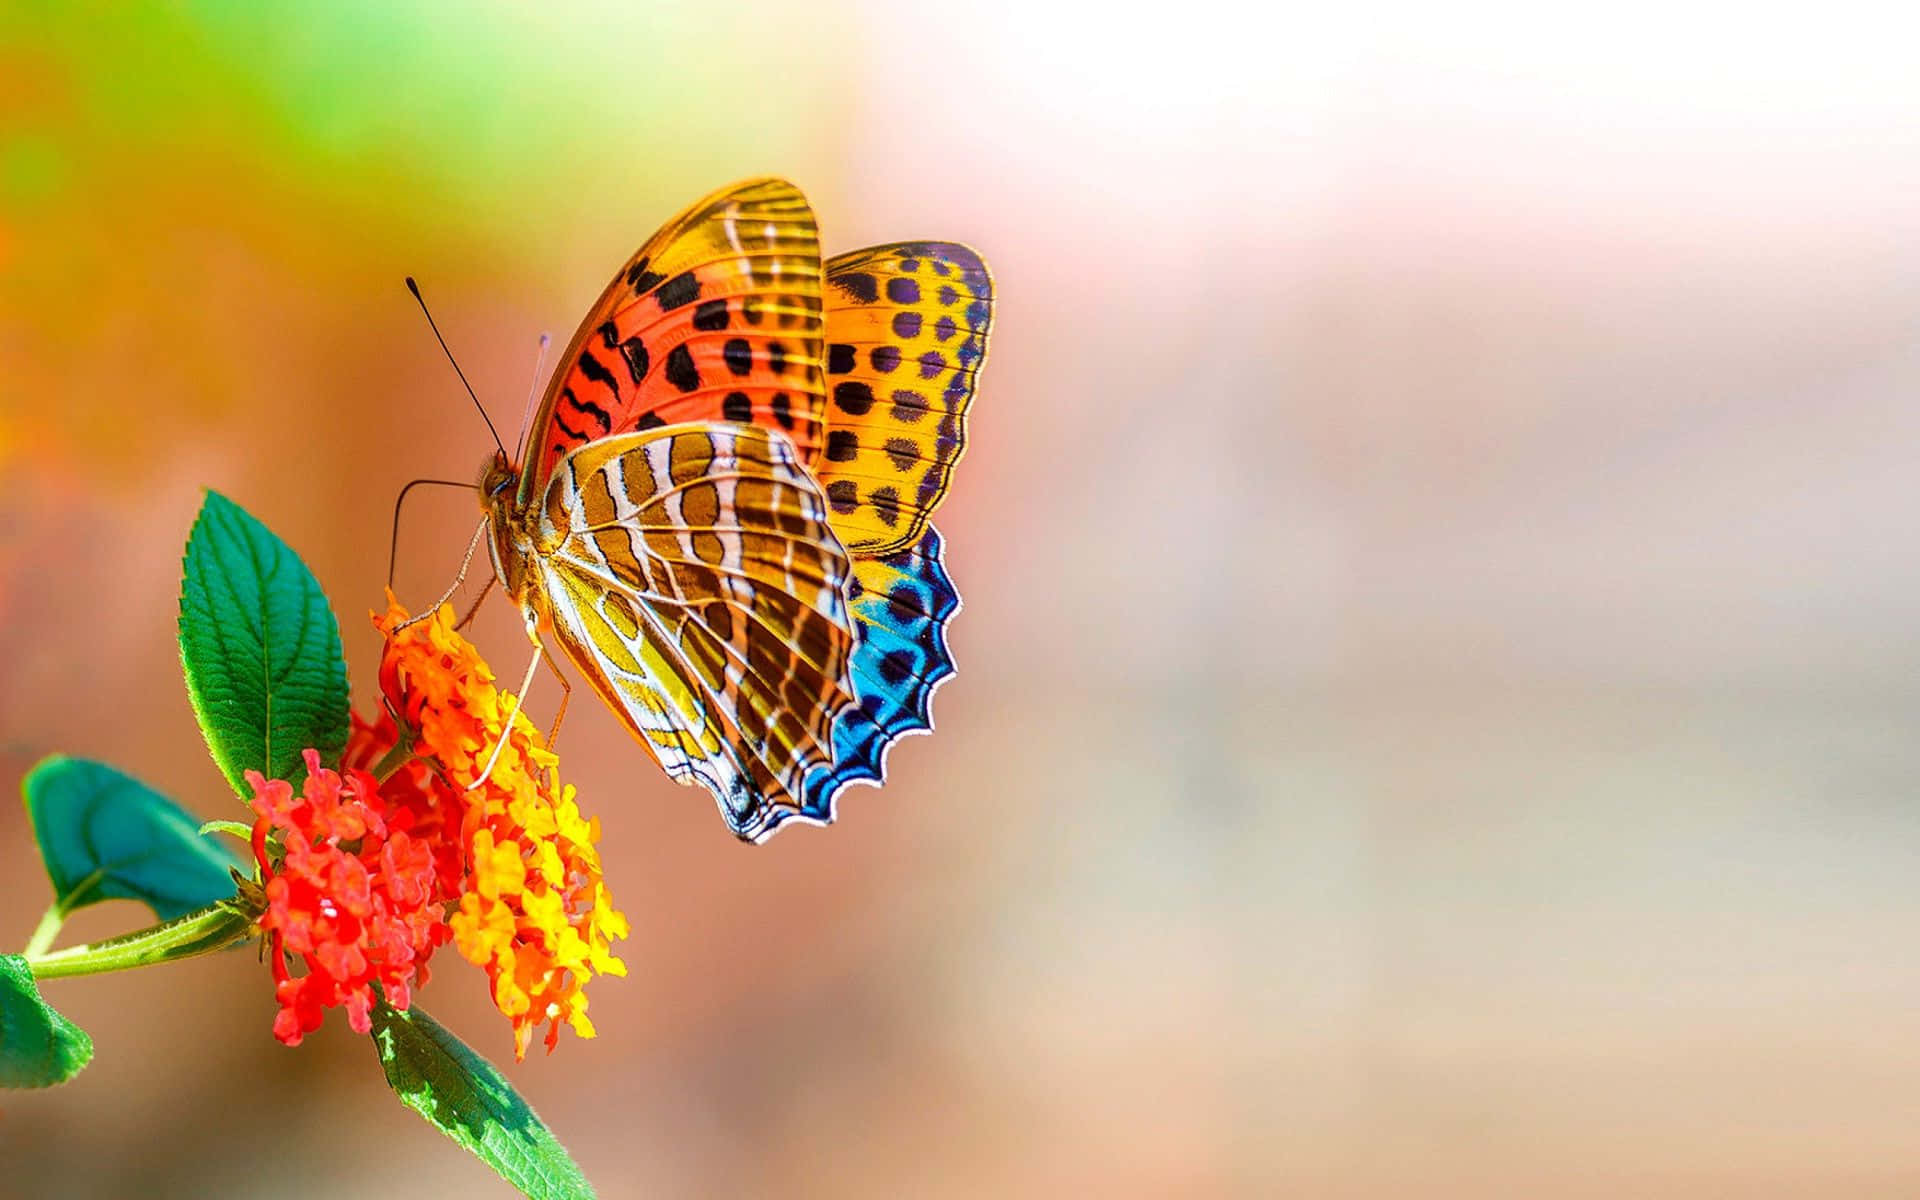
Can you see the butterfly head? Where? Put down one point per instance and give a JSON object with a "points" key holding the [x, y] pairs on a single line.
{"points": [[496, 481]]}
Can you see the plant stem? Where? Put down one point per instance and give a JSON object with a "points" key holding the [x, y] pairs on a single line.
{"points": [[394, 759], [46, 931], [203, 931]]}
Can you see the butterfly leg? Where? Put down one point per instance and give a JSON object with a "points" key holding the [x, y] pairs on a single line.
{"points": [[477, 602], [566, 694], [519, 698], [465, 562]]}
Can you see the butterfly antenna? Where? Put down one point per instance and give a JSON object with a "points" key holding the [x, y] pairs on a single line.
{"points": [[415, 289], [533, 394], [393, 542]]}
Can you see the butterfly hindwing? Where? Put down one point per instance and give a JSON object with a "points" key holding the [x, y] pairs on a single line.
{"points": [[907, 328], [692, 577], [716, 318], [901, 604]]}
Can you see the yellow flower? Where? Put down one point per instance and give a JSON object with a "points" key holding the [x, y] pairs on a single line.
{"points": [[535, 912]]}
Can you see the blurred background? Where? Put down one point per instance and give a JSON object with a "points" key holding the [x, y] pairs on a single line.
{"points": [[1438, 690]]}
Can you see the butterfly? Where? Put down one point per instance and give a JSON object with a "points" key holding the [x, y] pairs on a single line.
{"points": [[722, 515]]}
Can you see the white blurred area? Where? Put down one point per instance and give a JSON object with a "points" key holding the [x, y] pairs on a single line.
{"points": [[1482, 632], [1438, 705]]}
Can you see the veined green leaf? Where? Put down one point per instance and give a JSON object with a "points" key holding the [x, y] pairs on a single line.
{"points": [[105, 836], [38, 1046], [463, 1096], [260, 648]]}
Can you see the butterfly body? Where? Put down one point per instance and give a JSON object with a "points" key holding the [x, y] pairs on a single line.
{"points": [[507, 531], [680, 523]]}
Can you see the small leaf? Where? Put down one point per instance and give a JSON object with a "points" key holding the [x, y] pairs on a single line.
{"points": [[438, 1076], [38, 1046], [107, 836], [260, 647]]}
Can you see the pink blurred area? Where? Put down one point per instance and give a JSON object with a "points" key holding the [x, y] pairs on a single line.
{"points": [[1440, 538]]}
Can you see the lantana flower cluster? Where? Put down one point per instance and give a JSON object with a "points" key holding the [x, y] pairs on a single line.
{"points": [[354, 897], [506, 869]]}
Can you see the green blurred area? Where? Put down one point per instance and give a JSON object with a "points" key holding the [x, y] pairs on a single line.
{"points": [[147, 146]]}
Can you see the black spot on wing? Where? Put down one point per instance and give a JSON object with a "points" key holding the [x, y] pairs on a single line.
{"points": [[588, 408], [573, 434], [711, 315], [906, 604], [596, 373], [858, 285], [843, 445], [642, 280], [908, 406], [635, 352], [681, 372], [895, 667], [683, 288], [902, 453], [853, 397]]}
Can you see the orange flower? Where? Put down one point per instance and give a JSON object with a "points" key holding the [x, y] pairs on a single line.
{"points": [[532, 909]]}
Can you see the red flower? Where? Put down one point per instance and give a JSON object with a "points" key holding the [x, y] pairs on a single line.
{"points": [[356, 895], [375, 874]]}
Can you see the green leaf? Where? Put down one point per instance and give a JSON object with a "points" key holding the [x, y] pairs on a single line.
{"points": [[38, 1046], [438, 1076], [260, 647], [106, 836]]}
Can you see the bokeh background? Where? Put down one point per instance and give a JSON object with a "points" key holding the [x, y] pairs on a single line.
{"points": [[1438, 703]]}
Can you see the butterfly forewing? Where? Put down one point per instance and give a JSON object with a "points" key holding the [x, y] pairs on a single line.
{"points": [[716, 318], [692, 576], [907, 331]]}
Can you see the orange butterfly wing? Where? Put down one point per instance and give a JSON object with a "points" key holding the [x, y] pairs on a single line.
{"points": [[716, 318], [907, 328]]}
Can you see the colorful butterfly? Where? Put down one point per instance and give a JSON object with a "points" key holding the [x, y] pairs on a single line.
{"points": [[722, 513]]}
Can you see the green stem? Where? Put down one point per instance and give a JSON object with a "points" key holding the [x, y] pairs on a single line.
{"points": [[203, 931], [394, 759], [46, 931]]}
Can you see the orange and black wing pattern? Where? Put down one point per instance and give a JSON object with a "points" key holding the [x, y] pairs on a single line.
{"points": [[716, 318], [907, 334]]}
